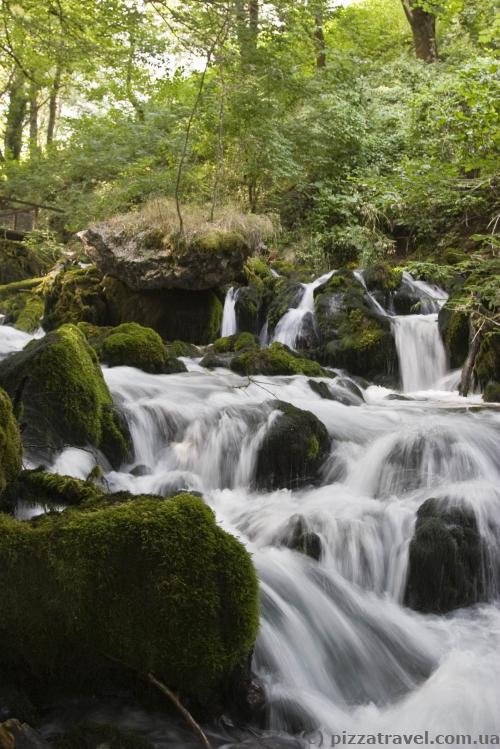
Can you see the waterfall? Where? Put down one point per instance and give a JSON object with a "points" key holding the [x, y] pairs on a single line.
{"points": [[291, 325], [421, 353], [229, 325]]}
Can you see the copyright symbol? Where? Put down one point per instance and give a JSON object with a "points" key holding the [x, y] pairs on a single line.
{"points": [[314, 738]]}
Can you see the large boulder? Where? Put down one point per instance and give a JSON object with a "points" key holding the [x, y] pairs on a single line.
{"points": [[353, 336], [454, 330], [446, 565], [10, 443], [147, 586], [147, 259], [65, 400], [293, 450]]}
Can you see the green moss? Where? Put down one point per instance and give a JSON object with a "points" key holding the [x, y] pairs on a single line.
{"points": [[98, 736], [181, 348], [249, 307], [220, 241], [487, 366], [238, 342], [286, 294], [76, 296], [258, 273], [133, 345], [36, 487], [382, 277], [454, 329], [276, 360], [19, 262], [10, 443], [154, 585], [64, 395], [293, 449], [23, 309], [492, 393]]}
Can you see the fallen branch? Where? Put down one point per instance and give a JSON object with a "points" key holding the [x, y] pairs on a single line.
{"points": [[196, 728]]}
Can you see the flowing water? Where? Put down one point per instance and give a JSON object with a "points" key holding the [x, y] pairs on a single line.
{"points": [[291, 325], [229, 324], [337, 650]]}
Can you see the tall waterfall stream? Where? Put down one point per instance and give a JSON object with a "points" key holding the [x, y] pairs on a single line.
{"points": [[337, 650]]}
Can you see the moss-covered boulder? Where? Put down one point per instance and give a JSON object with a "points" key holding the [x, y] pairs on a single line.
{"points": [[249, 309], [64, 397], [175, 349], [446, 565], [153, 586], [286, 294], [487, 365], [98, 736], [237, 342], [382, 280], [76, 295], [491, 393], [37, 487], [134, 345], [293, 450], [353, 336], [454, 330], [10, 443], [23, 308], [276, 360], [18, 262]]}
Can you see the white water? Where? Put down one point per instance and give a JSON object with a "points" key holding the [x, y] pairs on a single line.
{"points": [[337, 650], [421, 353], [229, 325], [289, 328]]}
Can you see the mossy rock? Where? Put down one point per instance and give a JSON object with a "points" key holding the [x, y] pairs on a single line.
{"points": [[492, 393], [156, 586], [37, 487], [215, 361], [10, 443], [487, 365], [446, 560], [98, 736], [276, 360], [64, 397], [18, 262], [237, 342], [454, 330], [191, 316], [76, 296], [293, 450], [23, 309], [249, 309], [133, 345], [219, 241], [299, 537], [181, 348], [287, 294], [382, 277]]}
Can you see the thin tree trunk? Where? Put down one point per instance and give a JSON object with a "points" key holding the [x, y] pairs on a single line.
{"points": [[33, 119], [53, 103], [423, 26], [468, 368], [319, 36], [16, 113]]}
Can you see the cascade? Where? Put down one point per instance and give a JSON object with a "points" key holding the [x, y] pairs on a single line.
{"points": [[291, 325], [229, 325]]}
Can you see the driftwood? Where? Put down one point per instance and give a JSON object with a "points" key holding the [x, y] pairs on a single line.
{"points": [[195, 727]]}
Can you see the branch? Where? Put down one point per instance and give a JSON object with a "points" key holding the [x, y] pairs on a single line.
{"points": [[180, 707]]}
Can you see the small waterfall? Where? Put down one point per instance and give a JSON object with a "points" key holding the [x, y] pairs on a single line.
{"points": [[291, 325], [359, 276], [431, 297], [229, 325], [421, 353]]}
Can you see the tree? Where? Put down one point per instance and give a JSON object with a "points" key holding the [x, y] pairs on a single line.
{"points": [[423, 26]]}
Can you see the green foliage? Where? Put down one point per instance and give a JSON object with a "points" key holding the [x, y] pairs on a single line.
{"points": [[65, 398], [10, 443], [156, 586]]}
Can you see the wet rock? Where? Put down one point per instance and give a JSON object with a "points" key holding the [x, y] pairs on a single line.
{"points": [[299, 537], [237, 342], [99, 736], [147, 259], [446, 565], [454, 330], [154, 585], [286, 294], [276, 360], [293, 450], [248, 308], [487, 365], [215, 361], [341, 390], [64, 397]]}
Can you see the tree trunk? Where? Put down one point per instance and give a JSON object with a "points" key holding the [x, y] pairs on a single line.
{"points": [[16, 113], [319, 37], [247, 15], [423, 26], [33, 119], [53, 102], [468, 368]]}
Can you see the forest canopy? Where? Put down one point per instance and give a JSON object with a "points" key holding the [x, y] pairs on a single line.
{"points": [[366, 128]]}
